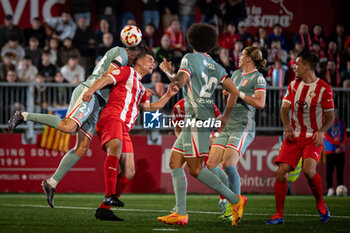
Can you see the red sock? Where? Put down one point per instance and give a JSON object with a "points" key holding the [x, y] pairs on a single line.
{"points": [[110, 171], [316, 187], [280, 196], [104, 206], [122, 182]]}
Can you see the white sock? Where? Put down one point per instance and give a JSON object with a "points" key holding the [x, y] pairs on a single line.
{"points": [[25, 115], [52, 182]]}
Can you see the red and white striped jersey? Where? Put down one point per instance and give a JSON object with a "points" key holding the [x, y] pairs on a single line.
{"points": [[309, 102], [125, 96], [179, 110]]}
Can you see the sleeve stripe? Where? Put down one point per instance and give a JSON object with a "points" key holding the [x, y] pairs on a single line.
{"points": [[285, 100], [186, 71], [114, 80], [223, 78], [260, 89]]}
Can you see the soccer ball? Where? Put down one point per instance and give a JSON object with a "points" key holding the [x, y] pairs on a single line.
{"points": [[131, 36], [342, 190]]}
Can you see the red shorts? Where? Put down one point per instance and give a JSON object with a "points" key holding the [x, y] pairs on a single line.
{"points": [[292, 150], [112, 129]]}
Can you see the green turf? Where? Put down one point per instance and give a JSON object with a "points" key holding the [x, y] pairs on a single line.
{"points": [[75, 213]]}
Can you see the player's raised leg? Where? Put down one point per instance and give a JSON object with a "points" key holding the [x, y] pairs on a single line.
{"points": [[83, 115], [69, 124], [67, 162], [210, 180]]}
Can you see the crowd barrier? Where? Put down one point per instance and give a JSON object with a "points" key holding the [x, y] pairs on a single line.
{"points": [[40, 98]]}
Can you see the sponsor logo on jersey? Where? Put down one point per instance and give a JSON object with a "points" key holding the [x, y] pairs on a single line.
{"points": [[204, 101], [80, 115], [184, 62], [116, 72], [312, 94], [209, 65], [301, 105], [245, 81], [261, 80]]}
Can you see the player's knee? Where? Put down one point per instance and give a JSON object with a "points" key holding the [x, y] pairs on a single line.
{"points": [[67, 125], [172, 165], [211, 164], [226, 164], [309, 173], [114, 147], [282, 174], [194, 172], [81, 150]]}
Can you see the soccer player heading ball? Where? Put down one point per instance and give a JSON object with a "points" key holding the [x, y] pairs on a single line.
{"points": [[81, 116]]}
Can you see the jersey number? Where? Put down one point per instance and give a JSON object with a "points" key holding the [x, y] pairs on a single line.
{"points": [[210, 83], [82, 110]]}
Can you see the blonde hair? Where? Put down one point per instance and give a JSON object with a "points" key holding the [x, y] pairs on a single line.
{"points": [[256, 55]]}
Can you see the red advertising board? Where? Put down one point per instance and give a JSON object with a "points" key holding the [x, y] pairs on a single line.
{"points": [[23, 167], [290, 14], [23, 11]]}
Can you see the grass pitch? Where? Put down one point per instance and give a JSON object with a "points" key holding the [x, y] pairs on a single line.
{"points": [[75, 213]]}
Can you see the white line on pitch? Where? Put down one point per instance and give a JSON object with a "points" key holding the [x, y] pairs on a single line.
{"points": [[161, 211], [164, 229]]}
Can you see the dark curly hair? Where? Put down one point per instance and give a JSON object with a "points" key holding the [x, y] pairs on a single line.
{"points": [[202, 37]]}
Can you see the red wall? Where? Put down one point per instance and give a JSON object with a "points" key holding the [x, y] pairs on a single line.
{"points": [[260, 13], [23, 167], [290, 14]]}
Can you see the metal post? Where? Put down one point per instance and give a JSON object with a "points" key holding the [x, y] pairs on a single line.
{"points": [[30, 137]]}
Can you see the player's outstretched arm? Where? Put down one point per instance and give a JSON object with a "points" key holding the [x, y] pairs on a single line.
{"points": [[257, 100], [98, 85], [172, 90], [179, 79]]}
